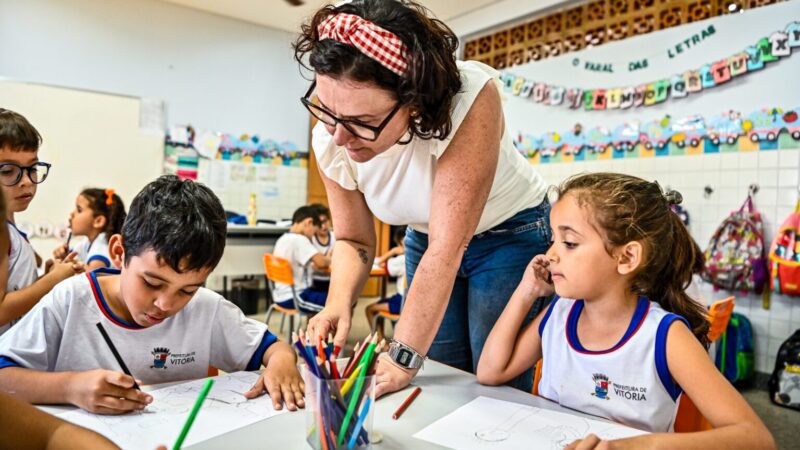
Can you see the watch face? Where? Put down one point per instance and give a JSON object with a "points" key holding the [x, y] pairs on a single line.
{"points": [[404, 357]]}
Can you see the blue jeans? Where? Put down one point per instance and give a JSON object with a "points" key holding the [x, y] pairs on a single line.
{"points": [[490, 270]]}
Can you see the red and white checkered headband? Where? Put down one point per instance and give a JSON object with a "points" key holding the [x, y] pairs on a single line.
{"points": [[377, 43]]}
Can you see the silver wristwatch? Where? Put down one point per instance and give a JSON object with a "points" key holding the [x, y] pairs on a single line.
{"points": [[405, 356]]}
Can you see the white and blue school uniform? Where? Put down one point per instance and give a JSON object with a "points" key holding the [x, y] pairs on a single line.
{"points": [[298, 250], [628, 383], [59, 334], [321, 280], [21, 264], [96, 250]]}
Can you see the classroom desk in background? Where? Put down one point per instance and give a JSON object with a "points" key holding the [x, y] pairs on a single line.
{"points": [[444, 389], [244, 250]]}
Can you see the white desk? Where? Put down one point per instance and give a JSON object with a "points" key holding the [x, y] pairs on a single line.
{"points": [[444, 389]]}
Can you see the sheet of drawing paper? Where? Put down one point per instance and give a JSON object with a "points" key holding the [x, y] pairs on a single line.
{"points": [[225, 409], [489, 423]]}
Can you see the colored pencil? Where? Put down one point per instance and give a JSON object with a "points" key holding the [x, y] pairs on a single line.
{"points": [[356, 395], [116, 355], [352, 379], [193, 413], [405, 404], [360, 422]]}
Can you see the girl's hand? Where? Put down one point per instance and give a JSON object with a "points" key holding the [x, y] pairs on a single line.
{"points": [[282, 381], [60, 252], [331, 320], [391, 378], [536, 279]]}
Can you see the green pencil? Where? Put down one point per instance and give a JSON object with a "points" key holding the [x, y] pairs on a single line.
{"points": [[193, 414]]}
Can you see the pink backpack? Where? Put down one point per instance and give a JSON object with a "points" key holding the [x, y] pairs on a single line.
{"points": [[735, 255], [784, 257]]}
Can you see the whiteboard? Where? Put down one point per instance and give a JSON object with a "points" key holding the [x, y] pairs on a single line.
{"points": [[91, 139]]}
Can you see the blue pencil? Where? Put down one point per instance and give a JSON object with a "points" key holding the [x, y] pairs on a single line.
{"points": [[359, 423]]}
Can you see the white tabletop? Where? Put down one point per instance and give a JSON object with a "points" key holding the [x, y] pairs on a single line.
{"points": [[444, 389]]}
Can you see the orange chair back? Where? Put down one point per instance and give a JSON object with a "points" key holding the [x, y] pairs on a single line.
{"points": [[688, 419], [718, 317], [278, 269], [537, 375]]}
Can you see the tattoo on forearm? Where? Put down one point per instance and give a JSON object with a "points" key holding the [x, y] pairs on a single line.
{"points": [[363, 255]]}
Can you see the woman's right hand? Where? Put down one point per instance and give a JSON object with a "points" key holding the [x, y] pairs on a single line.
{"points": [[332, 319], [536, 280]]}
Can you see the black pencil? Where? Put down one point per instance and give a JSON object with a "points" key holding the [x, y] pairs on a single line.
{"points": [[116, 355]]}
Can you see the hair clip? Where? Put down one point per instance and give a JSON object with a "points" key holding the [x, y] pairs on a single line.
{"points": [[673, 197], [109, 197]]}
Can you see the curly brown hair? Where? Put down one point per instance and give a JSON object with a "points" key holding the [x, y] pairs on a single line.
{"points": [[625, 208], [432, 79]]}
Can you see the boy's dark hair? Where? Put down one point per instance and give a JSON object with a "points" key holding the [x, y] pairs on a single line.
{"points": [[399, 235], [182, 221], [305, 212], [321, 209], [109, 205], [17, 134], [432, 80]]}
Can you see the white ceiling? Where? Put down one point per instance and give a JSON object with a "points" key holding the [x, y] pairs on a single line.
{"points": [[281, 15]]}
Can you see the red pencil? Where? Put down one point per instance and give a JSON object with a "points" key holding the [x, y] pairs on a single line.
{"points": [[405, 404]]}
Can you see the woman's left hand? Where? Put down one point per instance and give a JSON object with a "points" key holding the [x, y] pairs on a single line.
{"points": [[391, 377]]}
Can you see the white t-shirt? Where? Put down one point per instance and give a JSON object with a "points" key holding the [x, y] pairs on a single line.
{"points": [[324, 249], [629, 383], [96, 250], [60, 334], [299, 250], [21, 265], [398, 184], [396, 266]]}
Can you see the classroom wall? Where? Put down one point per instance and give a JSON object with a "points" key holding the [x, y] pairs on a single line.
{"points": [[91, 139], [729, 174], [213, 72]]}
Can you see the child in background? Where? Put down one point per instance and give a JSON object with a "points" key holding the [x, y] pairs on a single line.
{"points": [[323, 240], [296, 247], [24, 427], [20, 173], [165, 325], [621, 327], [98, 215], [395, 261]]}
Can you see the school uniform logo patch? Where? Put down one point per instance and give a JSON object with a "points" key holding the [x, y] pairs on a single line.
{"points": [[160, 355], [600, 386]]}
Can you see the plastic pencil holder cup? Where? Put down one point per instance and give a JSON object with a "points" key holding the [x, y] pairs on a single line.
{"points": [[327, 409]]}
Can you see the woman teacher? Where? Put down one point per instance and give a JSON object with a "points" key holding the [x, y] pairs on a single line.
{"points": [[411, 136]]}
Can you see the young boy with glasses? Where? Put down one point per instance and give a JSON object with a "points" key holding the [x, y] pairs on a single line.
{"points": [[20, 173]]}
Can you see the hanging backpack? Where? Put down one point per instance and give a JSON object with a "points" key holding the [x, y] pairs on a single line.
{"points": [[735, 255], [784, 257], [735, 357], [784, 384]]}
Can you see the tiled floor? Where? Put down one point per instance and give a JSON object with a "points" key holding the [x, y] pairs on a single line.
{"points": [[783, 423]]}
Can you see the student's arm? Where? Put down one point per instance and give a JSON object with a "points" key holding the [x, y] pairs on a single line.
{"points": [[280, 378], [736, 425], [394, 251], [15, 304], [320, 261], [99, 391], [24, 427], [508, 351]]}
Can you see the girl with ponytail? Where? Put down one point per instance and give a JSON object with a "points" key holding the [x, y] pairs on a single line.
{"points": [[621, 339], [98, 215]]}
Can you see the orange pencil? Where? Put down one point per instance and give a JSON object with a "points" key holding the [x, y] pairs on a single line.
{"points": [[405, 404]]}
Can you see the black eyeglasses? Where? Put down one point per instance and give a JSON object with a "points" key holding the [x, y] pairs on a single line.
{"points": [[11, 173], [359, 129]]}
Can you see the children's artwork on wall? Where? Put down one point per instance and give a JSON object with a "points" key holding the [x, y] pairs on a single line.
{"points": [[755, 57], [764, 126], [184, 147]]}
